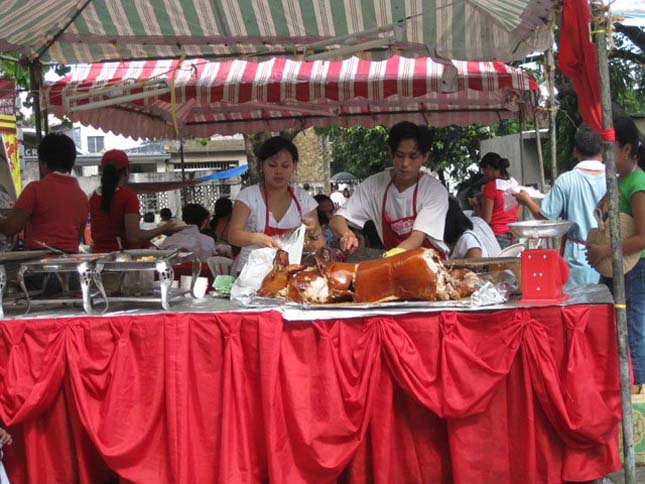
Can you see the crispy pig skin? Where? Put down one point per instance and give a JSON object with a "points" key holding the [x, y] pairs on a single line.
{"points": [[275, 282], [340, 275], [406, 276]]}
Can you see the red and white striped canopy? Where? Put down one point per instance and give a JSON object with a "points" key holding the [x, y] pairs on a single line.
{"points": [[202, 98]]}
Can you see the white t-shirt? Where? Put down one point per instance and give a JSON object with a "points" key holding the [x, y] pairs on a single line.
{"points": [[253, 199], [481, 236], [193, 240], [338, 199], [432, 204]]}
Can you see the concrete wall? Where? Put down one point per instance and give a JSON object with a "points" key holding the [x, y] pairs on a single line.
{"points": [[311, 167], [509, 147]]}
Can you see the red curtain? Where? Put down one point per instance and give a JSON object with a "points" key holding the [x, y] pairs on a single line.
{"points": [[527, 395]]}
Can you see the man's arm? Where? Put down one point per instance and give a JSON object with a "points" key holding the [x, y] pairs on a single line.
{"points": [[340, 229], [414, 240], [524, 199]]}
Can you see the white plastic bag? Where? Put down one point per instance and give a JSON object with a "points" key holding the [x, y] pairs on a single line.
{"points": [[260, 263]]}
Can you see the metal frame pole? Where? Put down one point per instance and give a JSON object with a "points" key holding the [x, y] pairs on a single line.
{"points": [[550, 82], [34, 88], [601, 28]]}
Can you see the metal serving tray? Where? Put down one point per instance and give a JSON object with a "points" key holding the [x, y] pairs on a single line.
{"points": [[539, 229], [82, 264], [9, 268], [159, 261], [23, 255]]}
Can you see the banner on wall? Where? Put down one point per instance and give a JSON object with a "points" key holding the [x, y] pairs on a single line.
{"points": [[10, 167]]}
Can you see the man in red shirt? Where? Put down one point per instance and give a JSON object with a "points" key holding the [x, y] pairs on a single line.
{"points": [[54, 209]]}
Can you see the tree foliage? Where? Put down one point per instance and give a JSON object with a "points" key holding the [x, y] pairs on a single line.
{"points": [[363, 151], [360, 151], [20, 75]]}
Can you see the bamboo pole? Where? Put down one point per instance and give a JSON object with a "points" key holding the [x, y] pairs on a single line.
{"points": [[522, 127], [538, 142], [550, 82], [601, 27]]}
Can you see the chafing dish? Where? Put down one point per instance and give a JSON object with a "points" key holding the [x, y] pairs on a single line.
{"points": [[62, 267], [9, 268], [141, 261]]}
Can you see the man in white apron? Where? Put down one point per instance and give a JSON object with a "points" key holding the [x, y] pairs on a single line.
{"points": [[407, 205]]}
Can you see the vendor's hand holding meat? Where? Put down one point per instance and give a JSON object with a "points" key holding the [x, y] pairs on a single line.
{"points": [[349, 242]]}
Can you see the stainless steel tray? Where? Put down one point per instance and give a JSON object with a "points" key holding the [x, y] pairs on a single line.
{"points": [[539, 229], [63, 263], [141, 259], [159, 261], [24, 255]]}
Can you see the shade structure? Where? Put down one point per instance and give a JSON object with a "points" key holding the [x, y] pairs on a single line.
{"points": [[76, 31], [159, 99]]}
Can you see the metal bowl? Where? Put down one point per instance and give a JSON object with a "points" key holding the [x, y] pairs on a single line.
{"points": [[539, 229]]}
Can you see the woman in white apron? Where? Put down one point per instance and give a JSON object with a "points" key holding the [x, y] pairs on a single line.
{"points": [[272, 208]]}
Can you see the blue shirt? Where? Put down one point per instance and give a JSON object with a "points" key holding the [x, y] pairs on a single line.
{"points": [[574, 197]]}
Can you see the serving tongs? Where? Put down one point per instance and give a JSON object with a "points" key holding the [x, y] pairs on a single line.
{"points": [[50, 248]]}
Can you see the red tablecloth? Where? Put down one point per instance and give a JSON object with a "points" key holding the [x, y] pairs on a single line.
{"points": [[520, 395]]}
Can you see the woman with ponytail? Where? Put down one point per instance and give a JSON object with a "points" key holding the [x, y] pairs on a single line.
{"points": [[114, 209], [631, 187], [495, 171]]}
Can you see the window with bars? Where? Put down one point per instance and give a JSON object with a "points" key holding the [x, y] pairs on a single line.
{"points": [[148, 202], [205, 195], [95, 144]]}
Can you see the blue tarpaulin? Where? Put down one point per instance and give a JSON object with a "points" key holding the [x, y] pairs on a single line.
{"points": [[221, 175], [164, 186]]}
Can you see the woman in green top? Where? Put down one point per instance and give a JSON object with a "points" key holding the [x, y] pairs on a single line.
{"points": [[631, 186]]}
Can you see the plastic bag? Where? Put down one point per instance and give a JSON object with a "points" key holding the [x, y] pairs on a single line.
{"points": [[260, 263], [496, 288]]}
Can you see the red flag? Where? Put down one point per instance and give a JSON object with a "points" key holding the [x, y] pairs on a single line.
{"points": [[577, 60]]}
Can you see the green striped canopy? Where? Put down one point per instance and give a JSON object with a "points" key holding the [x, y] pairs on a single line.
{"points": [[76, 31]]}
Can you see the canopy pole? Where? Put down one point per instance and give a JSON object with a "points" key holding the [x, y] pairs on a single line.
{"points": [[599, 14], [183, 170], [522, 126], [34, 88], [550, 82], [538, 142]]}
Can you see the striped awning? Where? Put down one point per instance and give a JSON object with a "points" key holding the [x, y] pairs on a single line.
{"points": [[85, 31], [160, 99]]}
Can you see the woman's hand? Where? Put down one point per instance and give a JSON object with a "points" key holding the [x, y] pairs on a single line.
{"points": [[597, 252], [349, 242], [5, 437], [264, 240]]}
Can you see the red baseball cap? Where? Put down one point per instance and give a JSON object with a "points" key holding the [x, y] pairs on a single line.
{"points": [[118, 158]]}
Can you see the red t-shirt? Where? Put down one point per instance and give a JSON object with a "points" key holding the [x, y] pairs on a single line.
{"points": [[500, 218], [107, 227], [57, 209]]}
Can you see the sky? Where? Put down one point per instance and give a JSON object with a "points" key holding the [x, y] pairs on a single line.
{"points": [[634, 6]]}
